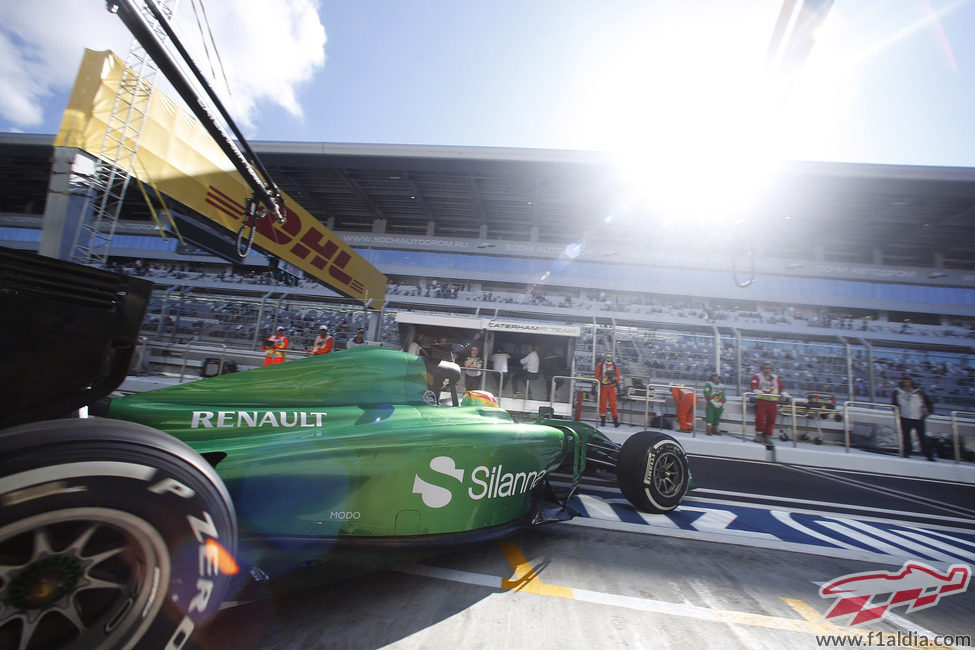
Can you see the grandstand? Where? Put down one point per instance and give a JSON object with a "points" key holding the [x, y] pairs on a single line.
{"points": [[871, 277]]}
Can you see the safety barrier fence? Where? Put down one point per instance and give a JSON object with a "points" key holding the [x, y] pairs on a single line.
{"points": [[483, 380], [958, 425], [956, 417], [186, 356], [192, 355], [852, 407], [786, 399], [876, 410], [572, 387], [850, 367], [651, 397]]}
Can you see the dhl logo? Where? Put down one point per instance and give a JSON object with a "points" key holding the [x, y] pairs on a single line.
{"points": [[310, 244]]}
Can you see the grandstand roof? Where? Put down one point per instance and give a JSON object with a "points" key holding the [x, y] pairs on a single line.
{"points": [[840, 212]]}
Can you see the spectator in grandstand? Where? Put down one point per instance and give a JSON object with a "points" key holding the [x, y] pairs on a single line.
{"points": [[684, 401], [416, 346], [769, 390], [529, 366], [715, 396], [274, 347], [913, 406], [357, 340], [609, 375], [323, 343], [472, 369]]}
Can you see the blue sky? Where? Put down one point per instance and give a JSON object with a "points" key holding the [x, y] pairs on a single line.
{"points": [[888, 81]]}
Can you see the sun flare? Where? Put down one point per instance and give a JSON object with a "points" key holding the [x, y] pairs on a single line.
{"points": [[693, 116]]}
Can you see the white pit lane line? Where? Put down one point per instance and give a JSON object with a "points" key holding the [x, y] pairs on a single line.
{"points": [[811, 622]]}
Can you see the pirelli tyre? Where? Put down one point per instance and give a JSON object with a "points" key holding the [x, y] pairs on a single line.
{"points": [[112, 535], [652, 472]]}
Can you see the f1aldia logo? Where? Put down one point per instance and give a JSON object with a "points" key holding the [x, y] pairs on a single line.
{"points": [[485, 482], [915, 585]]}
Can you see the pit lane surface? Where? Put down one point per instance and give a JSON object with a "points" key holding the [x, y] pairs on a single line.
{"points": [[785, 483], [733, 567]]}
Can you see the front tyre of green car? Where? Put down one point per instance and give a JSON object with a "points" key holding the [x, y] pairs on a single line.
{"points": [[112, 535], [652, 472]]}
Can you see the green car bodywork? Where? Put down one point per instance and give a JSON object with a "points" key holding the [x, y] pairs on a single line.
{"points": [[348, 444]]}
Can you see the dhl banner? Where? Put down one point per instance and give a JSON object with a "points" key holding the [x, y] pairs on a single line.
{"points": [[176, 153]]}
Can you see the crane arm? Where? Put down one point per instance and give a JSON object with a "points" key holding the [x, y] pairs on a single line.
{"points": [[266, 194]]}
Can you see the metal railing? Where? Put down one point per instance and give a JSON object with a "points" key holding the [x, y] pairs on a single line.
{"points": [[651, 397], [186, 356], [956, 436], [484, 377], [572, 387], [791, 401], [183, 355], [873, 406]]}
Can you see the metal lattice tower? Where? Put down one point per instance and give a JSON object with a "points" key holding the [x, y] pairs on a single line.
{"points": [[116, 159]]}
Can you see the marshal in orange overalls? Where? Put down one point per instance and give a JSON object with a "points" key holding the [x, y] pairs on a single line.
{"points": [[608, 375], [274, 353]]}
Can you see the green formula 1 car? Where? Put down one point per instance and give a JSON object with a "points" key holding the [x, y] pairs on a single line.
{"points": [[130, 529]]}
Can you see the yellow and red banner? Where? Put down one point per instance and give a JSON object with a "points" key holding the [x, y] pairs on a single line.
{"points": [[178, 156]]}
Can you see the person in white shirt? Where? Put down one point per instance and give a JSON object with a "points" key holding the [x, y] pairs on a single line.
{"points": [[357, 340], [416, 346], [472, 369], [499, 362], [529, 365], [913, 406], [530, 361]]}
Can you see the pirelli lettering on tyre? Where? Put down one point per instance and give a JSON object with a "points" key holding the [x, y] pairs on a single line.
{"points": [[648, 472], [212, 559]]}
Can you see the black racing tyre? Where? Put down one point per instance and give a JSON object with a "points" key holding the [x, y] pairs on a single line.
{"points": [[112, 535], [652, 472]]}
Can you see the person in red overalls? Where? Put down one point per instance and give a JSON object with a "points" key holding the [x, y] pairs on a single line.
{"points": [[274, 347], [323, 342], [684, 400], [608, 374], [768, 389]]}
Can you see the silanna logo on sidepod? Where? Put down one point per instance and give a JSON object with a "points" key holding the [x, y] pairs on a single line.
{"points": [[485, 482]]}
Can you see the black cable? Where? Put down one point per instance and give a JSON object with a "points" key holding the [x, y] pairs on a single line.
{"points": [[174, 39]]}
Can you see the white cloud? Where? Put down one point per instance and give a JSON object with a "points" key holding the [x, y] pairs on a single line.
{"points": [[18, 88], [40, 47], [268, 49]]}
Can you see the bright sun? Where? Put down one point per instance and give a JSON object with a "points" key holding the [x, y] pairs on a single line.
{"points": [[688, 109]]}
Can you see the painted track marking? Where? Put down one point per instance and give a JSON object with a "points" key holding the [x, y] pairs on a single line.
{"points": [[806, 531], [525, 579]]}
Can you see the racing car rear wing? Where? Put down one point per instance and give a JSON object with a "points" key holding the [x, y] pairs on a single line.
{"points": [[71, 331]]}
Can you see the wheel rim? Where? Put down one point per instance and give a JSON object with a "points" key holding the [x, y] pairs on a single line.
{"points": [[80, 578], [668, 474]]}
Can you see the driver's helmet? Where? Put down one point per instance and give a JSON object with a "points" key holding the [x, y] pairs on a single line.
{"points": [[479, 398]]}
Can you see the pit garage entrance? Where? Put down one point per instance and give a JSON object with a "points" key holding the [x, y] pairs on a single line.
{"points": [[496, 348]]}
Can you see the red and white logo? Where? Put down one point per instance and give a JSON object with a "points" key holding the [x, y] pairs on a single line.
{"points": [[863, 597]]}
